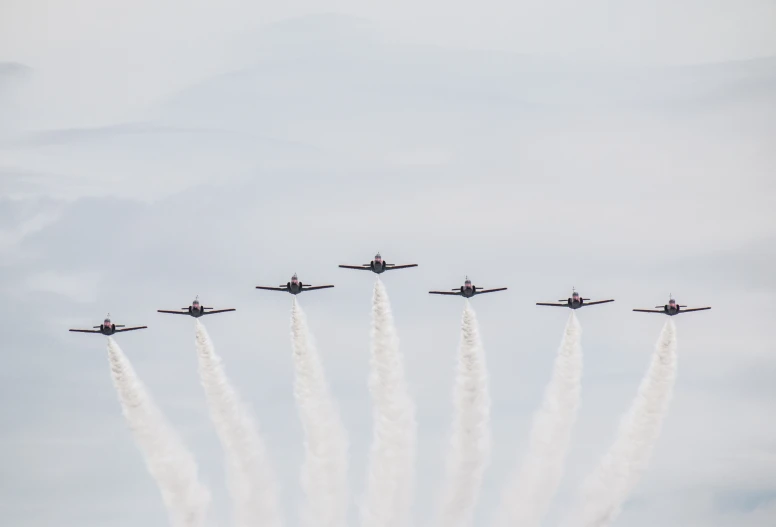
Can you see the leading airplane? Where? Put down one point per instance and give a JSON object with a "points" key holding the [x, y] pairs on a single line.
{"points": [[575, 301], [108, 328], [467, 290], [671, 308], [378, 266], [294, 287], [196, 310]]}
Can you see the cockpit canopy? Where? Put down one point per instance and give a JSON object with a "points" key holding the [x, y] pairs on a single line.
{"points": [[106, 322], [467, 283], [672, 302], [575, 295], [195, 303], [378, 258], [294, 278]]}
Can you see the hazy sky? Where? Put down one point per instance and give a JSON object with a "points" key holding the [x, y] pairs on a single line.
{"points": [[152, 151]]}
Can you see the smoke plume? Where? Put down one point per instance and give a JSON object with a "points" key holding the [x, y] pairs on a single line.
{"points": [[169, 462], [324, 473], [532, 488], [470, 443], [607, 488], [390, 479], [249, 476]]}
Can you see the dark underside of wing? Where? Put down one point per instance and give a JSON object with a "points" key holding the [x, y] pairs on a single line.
{"points": [[403, 266], [271, 288], [444, 293], [172, 312], [359, 267], [650, 311], [218, 311], [314, 287], [551, 305], [130, 329], [86, 330], [596, 302], [482, 291], [693, 309]]}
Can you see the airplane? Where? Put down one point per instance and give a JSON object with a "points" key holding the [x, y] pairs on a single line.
{"points": [[671, 308], [108, 328], [575, 302], [196, 310], [294, 287], [467, 290], [378, 266]]}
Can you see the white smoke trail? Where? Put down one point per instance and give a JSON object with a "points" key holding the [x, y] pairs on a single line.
{"points": [[249, 476], [607, 488], [390, 480], [529, 495], [470, 444], [324, 473], [169, 462]]}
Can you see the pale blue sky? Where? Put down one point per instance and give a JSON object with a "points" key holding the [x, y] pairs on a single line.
{"points": [[151, 154]]}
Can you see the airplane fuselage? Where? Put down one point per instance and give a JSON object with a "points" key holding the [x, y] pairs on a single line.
{"points": [[196, 312], [671, 310], [468, 292], [377, 267], [575, 304], [107, 330], [294, 287]]}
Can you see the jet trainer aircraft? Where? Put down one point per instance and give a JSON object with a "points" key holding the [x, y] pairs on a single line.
{"points": [[196, 310], [575, 302], [671, 308], [378, 266], [467, 290], [294, 286], [108, 328]]}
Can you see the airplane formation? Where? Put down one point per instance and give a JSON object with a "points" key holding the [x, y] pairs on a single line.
{"points": [[379, 266]]}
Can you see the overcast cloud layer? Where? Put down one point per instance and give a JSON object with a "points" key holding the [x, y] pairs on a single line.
{"points": [[152, 153]]}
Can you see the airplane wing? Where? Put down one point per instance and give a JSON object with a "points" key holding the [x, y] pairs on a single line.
{"points": [[359, 267], [692, 309], [551, 305], [86, 330], [650, 311], [314, 287], [481, 291], [445, 293], [271, 288], [596, 302], [131, 329], [218, 311], [392, 267], [172, 312]]}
